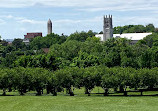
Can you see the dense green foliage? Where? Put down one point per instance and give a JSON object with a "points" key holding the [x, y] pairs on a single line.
{"points": [[79, 60], [134, 29], [38, 79], [81, 36], [46, 42], [81, 50]]}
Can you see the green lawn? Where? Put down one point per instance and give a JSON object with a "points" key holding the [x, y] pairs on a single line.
{"points": [[77, 103], [80, 102]]}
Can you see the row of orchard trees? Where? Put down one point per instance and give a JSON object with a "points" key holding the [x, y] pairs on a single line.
{"points": [[38, 79]]}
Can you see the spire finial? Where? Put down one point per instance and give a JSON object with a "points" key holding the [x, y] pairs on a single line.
{"points": [[49, 21]]}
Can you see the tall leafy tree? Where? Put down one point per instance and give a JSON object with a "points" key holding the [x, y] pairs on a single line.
{"points": [[45, 42], [81, 36], [18, 44]]}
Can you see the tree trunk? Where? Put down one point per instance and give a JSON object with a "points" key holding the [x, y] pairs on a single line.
{"points": [[71, 92], [106, 92], [10, 89], [67, 91], [121, 89], [54, 93], [24, 90], [4, 92], [21, 93], [115, 89], [98, 89], [86, 91], [38, 92], [141, 93], [151, 87], [125, 92], [48, 90]]}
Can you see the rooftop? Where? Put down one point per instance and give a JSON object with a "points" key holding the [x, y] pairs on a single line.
{"points": [[131, 36]]}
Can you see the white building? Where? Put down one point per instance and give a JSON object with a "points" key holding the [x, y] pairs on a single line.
{"points": [[134, 37]]}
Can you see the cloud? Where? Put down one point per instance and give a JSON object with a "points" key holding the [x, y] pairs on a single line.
{"points": [[68, 26], [23, 20], [6, 16], [20, 19], [135, 20], [68, 21], [124, 5], [94, 19], [2, 22], [89, 5], [22, 29], [53, 3]]}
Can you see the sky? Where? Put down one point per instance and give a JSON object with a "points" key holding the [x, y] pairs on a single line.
{"points": [[18, 17]]}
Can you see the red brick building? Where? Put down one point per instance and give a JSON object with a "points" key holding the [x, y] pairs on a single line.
{"points": [[31, 36]]}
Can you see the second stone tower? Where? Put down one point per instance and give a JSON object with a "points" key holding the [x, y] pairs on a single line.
{"points": [[107, 28], [49, 26]]}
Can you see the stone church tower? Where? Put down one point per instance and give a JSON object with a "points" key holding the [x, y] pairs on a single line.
{"points": [[107, 28], [49, 26]]}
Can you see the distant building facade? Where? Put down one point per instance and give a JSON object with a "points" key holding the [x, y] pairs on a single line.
{"points": [[134, 37], [30, 36], [108, 32], [49, 26]]}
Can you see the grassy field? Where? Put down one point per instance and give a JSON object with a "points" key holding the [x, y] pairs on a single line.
{"points": [[80, 102], [76, 103]]}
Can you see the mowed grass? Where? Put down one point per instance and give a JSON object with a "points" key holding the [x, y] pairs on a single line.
{"points": [[76, 103], [80, 102]]}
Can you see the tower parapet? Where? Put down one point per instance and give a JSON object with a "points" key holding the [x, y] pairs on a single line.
{"points": [[107, 27]]}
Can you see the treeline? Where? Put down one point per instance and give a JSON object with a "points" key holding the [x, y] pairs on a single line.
{"points": [[78, 60], [91, 52], [38, 79], [73, 52], [9, 54], [135, 29], [81, 50]]}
